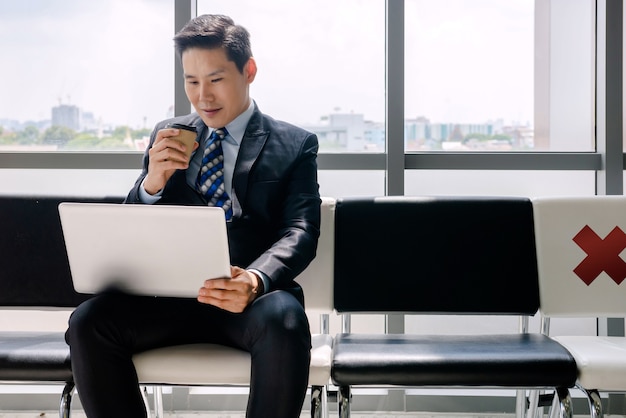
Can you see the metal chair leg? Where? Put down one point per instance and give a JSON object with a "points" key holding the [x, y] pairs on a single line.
{"points": [[144, 395], [595, 402], [158, 401], [343, 401], [65, 406], [317, 393], [562, 405], [533, 404], [520, 403]]}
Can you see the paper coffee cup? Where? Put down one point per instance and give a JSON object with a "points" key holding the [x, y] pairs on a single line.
{"points": [[187, 136]]}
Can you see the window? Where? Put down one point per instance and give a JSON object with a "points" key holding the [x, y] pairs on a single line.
{"points": [[81, 76], [321, 66], [491, 75], [469, 75]]}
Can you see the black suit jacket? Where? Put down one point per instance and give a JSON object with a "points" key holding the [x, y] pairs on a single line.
{"points": [[276, 203]]}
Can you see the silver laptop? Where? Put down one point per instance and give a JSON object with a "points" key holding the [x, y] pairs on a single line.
{"points": [[152, 250]]}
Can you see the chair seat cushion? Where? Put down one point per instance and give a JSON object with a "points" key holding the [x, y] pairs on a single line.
{"points": [[508, 360], [34, 357], [213, 364], [601, 361]]}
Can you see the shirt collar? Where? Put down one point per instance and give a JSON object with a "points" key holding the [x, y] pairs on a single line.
{"points": [[237, 128]]}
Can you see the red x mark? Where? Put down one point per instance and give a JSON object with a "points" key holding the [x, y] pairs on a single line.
{"points": [[602, 255]]}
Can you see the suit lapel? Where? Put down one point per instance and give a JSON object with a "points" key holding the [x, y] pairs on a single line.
{"points": [[249, 150]]}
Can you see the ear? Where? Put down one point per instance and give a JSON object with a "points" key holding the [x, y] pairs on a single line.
{"points": [[250, 70]]}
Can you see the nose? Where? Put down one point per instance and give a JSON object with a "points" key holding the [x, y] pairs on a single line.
{"points": [[206, 92]]}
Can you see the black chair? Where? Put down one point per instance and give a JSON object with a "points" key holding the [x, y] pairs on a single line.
{"points": [[448, 256], [35, 274]]}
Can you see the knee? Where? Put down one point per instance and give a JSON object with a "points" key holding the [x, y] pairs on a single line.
{"points": [[284, 318], [87, 319]]}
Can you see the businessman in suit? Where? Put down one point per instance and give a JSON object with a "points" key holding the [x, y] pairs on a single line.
{"points": [[270, 197]]}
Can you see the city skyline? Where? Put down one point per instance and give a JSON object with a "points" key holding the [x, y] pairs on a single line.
{"points": [[87, 120], [336, 132]]}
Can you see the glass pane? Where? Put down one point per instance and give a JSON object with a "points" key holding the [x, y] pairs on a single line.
{"points": [[469, 74], [321, 65], [500, 183], [344, 183], [84, 75], [565, 76], [499, 75], [67, 182]]}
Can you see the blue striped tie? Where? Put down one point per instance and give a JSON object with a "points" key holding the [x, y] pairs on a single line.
{"points": [[210, 181]]}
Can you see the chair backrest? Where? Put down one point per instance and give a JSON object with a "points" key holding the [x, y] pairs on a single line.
{"points": [[317, 279], [579, 241], [34, 271], [456, 255]]}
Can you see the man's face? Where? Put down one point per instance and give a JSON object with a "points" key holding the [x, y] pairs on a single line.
{"points": [[214, 85]]}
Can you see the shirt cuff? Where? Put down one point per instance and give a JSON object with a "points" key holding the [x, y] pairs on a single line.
{"points": [[146, 197], [264, 279]]}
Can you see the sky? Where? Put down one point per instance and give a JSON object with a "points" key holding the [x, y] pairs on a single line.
{"points": [[467, 61], [113, 58]]}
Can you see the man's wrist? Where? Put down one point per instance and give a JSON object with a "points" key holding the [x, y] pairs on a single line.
{"points": [[145, 196], [259, 288], [151, 190], [262, 281]]}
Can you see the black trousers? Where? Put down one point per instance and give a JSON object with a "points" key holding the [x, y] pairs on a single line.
{"points": [[105, 331]]}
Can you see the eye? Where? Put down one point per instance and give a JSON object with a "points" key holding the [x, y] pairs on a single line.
{"points": [[217, 80]]}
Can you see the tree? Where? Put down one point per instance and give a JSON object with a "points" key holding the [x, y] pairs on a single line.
{"points": [[477, 136], [28, 136], [8, 138], [82, 141], [58, 135], [121, 132], [140, 133], [113, 143], [502, 137]]}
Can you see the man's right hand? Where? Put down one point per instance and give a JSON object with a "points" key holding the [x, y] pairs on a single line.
{"points": [[166, 156]]}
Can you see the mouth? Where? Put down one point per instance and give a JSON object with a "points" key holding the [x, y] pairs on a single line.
{"points": [[210, 112]]}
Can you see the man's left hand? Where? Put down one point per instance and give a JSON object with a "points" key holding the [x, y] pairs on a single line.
{"points": [[232, 294]]}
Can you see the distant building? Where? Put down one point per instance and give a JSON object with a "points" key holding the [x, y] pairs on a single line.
{"points": [[66, 115], [422, 129], [88, 122], [349, 132]]}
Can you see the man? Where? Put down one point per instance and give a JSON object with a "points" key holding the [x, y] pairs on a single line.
{"points": [[271, 199]]}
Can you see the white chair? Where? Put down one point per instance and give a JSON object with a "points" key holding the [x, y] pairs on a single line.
{"points": [[578, 241], [216, 365]]}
